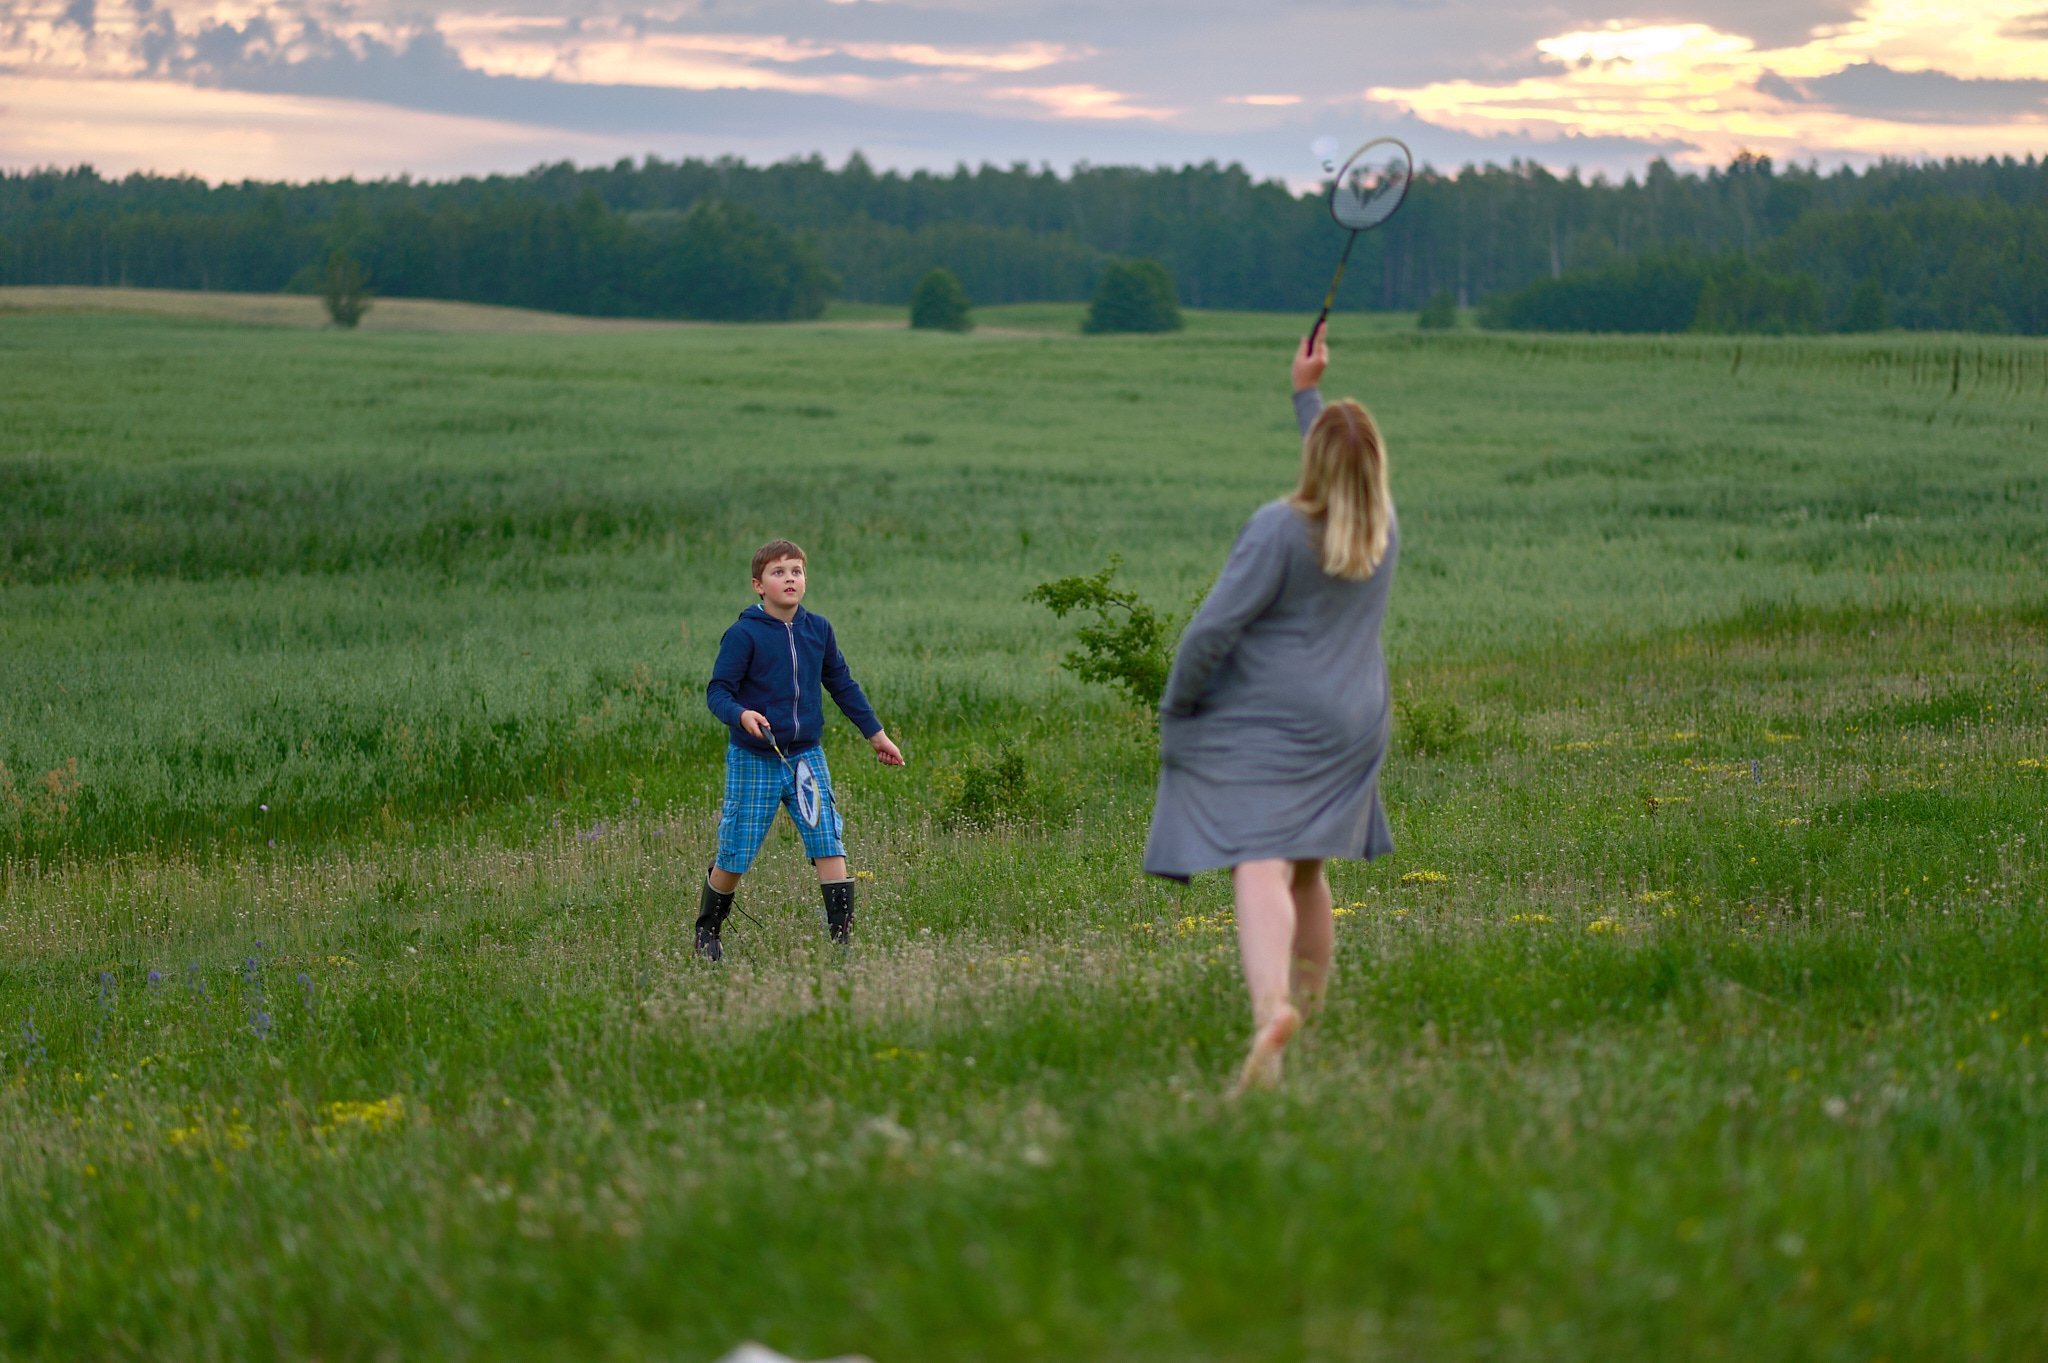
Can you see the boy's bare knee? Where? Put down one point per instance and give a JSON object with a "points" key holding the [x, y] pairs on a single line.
{"points": [[723, 881]]}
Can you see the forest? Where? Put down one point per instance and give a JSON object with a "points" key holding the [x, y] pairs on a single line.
{"points": [[1956, 245]]}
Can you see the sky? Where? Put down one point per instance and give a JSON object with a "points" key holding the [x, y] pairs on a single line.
{"points": [[314, 89]]}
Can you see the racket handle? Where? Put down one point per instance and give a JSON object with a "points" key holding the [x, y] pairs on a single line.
{"points": [[1330, 298]]}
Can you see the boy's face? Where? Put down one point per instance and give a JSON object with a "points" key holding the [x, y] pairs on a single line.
{"points": [[781, 583]]}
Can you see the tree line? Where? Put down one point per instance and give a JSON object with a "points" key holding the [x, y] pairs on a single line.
{"points": [[1958, 243]]}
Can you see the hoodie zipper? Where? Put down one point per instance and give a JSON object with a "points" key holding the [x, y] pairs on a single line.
{"points": [[796, 688]]}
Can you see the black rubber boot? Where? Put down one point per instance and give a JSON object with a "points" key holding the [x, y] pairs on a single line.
{"points": [[712, 908], [838, 909]]}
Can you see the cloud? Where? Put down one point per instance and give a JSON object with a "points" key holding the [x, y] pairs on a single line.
{"points": [[223, 135], [1082, 101], [1720, 93], [1777, 87], [1766, 23], [1876, 91], [931, 82]]}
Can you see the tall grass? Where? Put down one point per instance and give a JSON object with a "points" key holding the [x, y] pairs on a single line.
{"points": [[358, 786]]}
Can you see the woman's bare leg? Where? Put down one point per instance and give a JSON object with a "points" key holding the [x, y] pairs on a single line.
{"points": [[1265, 944], [1315, 935]]}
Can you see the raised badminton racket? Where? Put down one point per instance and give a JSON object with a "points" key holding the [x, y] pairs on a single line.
{"points": [[1367, 191]]}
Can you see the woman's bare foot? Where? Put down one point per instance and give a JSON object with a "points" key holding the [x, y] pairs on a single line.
{"points": [[1262, 1064]]}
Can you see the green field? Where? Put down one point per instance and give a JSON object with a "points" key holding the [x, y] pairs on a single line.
{"points": [[357, 783]]}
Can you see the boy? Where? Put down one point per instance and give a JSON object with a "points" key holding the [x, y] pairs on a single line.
{"points": [[767, 687]]}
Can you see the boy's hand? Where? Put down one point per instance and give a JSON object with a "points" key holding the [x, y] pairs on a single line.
{"points": [[891, 755], [1309, 366], [753, 721]]}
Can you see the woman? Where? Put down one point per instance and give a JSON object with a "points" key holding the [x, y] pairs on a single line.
{"points": [[1274, 721]]}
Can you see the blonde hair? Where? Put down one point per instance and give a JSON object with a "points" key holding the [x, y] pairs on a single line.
{"points": [[1344, 490]]}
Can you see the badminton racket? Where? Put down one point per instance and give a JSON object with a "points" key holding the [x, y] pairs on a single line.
{"points": [[1367, 191]]}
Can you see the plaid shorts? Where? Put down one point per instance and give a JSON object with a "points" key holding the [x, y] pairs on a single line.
{"points": [[755, 786]]}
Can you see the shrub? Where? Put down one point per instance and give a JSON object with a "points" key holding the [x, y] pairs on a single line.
{"points": [[940, 304], [1129, 645], [999, 789], [1133, 295], [1440, 313], [345, 289], [1431, 728]]}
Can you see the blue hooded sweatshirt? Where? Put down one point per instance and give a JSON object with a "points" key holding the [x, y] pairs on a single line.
{"points": [[783, 669]]}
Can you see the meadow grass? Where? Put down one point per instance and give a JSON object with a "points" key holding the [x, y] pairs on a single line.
{"points": [[357, 786]]}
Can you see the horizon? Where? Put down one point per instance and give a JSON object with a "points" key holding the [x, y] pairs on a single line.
{"points": [[1597, 178]]}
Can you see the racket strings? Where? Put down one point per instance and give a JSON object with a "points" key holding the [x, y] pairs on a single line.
{"points": [[1371, 186]]}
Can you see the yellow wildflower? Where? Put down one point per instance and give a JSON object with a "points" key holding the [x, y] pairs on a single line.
{"points": [[1603, 925], [1530, 918], [1425, 878], [381, 1115]]}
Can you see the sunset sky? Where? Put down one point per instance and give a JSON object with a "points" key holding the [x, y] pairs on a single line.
{"points": [[306, 89]]}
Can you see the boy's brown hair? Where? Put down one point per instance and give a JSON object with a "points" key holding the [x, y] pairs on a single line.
{"points": [[773, 550]]}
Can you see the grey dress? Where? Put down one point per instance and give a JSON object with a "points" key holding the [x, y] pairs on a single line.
{"points": [[1274, 722]]}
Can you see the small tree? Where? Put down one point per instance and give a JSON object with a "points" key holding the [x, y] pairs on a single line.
{"points": [[940, 304], [1866, 310], [1129, 645], [345, 290], [1134, 295], [1440, 313]]}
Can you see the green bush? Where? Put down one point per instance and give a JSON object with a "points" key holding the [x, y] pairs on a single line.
{"points": [[345, 289], [1133, 295], [1129, 645], [940, 304], [999, 789], [1431, 728]]}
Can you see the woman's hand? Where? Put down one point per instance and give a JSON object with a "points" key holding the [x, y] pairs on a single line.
{"points": [[1309, 365]]}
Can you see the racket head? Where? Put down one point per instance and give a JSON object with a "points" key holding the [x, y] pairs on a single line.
{"points": [[1372, 184], [810, 800]]}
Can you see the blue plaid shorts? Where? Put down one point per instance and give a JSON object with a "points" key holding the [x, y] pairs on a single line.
{"points": [[755, 786]]}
